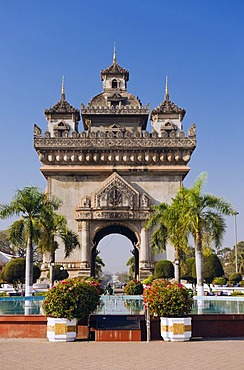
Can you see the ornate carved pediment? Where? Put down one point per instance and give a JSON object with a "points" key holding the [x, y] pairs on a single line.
{"points": [[115, 192], [115, 199]]}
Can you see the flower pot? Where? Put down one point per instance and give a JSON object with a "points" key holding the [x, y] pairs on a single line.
{"points": [[61, 330], [176, 329]]}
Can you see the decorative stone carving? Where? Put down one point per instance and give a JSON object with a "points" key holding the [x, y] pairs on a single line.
{"points": [[86, 202], [192, 131], [181, 134], [108, 215], [37, 130], [144, 201], [116, 192], [47, 135]]}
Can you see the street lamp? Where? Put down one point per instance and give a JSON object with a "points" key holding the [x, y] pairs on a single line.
{"points": [[235, 232]]}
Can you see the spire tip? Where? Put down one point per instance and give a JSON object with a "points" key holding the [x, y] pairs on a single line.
{"points": [[62, 92], [166, 97], [114, 56]]}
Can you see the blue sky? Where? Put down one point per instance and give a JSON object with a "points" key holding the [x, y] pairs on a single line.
{"points": [[198, 44]]}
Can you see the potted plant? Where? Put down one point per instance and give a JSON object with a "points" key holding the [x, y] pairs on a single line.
{"points": [[66, 303], [172, 302]]}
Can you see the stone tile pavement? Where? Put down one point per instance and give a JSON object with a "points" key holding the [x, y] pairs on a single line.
{"points": [[39, 354]]}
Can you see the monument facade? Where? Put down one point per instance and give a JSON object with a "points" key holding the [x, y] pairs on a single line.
{"points": [[110, 174]]}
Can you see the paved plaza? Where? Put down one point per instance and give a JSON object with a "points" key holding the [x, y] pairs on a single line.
{"points": [[38, 354]]}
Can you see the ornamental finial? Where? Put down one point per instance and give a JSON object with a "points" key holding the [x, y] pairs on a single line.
{"points": [[62, 93], [114, 56], [166, 97]]}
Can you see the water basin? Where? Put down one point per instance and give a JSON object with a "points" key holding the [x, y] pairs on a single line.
{"points": [[124, 305]]}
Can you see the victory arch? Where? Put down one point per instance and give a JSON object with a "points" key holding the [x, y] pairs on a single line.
{"points": [[109, 174]]}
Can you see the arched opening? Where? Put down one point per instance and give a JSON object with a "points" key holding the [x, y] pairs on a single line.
{"points": [[114, 84], [116, 247]]}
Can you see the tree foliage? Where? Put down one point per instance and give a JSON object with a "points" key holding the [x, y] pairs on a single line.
{"points": [[14, 272], [201, 216], [59, 273], [164, 269], [212, 268], [29, 204], [235, 278], [189, 271], [133, 287], [191, 213], [167, 228], [131, 263], [99, 264]]}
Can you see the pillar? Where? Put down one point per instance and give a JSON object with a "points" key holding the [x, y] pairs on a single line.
{"points": [[144, 252], [85, 252]]}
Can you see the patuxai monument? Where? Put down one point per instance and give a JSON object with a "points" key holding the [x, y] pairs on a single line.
{"points": [[109, 172]]}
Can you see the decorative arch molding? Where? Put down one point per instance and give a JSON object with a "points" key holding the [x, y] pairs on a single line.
{"points": [[116, 207], [115, 228]]}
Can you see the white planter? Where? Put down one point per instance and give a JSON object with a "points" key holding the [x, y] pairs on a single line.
{"points": [[61, 330], [176, 329]]}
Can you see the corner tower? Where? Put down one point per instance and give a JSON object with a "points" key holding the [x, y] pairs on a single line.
{"points": [[167, 116], [62, 118]]}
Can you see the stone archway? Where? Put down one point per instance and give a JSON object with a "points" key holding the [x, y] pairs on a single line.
{"points": [[115, 229], [114, 170], [115, 206]]}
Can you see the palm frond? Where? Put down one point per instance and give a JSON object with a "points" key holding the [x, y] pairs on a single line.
{"points": [[70, 240]]}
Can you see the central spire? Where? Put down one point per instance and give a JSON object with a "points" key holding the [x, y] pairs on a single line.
{"points": [[166, 96], [114, 56], [62, 92]]}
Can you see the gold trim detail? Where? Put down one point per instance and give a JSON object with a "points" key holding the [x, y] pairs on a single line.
{"points": [[61, 329], [176, 328]]}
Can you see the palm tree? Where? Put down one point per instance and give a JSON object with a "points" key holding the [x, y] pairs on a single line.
{"points": [[99, 264], [28, 203], [240, 257], [167, 220], [201, 215], [52, 227], [131, 264]]}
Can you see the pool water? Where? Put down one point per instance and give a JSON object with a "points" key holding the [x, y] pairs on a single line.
{"points": [[21, 305], [218, 305], [123, 304]]}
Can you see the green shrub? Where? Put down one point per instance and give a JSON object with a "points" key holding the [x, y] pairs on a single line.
{"points": [[219, 280], [241, 283], [41, 294], [235, 278], [133, 287], [148, 280], [236, 294], [70, 299], [165, 299], [14, 271], [189, 271], [59, 273], [164, 269], [212, 268]]}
